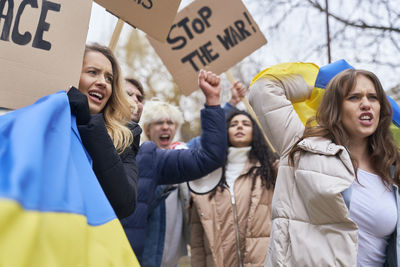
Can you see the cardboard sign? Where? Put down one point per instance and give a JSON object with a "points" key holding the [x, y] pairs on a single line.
{"points": [[208, 34], [41, 48], [154, 17]]}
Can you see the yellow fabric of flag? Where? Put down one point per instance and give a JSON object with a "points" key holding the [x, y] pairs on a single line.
{"points": [[309, 72]]}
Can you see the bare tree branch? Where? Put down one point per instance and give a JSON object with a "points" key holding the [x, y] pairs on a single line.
{"points": [[357, 24]]}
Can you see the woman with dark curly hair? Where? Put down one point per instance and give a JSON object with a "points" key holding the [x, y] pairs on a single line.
{"points": [[231, 221]]}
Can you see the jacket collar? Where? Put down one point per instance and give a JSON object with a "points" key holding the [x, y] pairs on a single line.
{"points": [[323, 146], [320, 145]]}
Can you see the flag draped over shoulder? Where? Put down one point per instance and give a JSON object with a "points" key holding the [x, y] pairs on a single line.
{"points": [[309, 71], [320, 77], [53, 211]]}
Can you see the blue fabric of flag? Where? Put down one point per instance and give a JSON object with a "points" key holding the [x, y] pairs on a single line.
{"points": [[396, 111], [43, 164], [327, 72]]}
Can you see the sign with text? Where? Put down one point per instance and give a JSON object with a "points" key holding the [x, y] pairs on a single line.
{"points": [[41, 48], [154, 17], [209, 34]]}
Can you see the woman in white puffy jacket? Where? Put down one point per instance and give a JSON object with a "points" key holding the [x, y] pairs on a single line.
{"points": [[336, 196]]}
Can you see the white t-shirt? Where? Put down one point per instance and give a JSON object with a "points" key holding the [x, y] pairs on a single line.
{"points": [[373, 208]]}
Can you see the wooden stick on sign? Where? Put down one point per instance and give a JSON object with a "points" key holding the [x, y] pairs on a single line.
{"points": [[116, 34], [251, 111]]}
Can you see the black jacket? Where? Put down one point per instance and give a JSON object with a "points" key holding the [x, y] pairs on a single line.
{"points": [[136, 131], [117, 174]]}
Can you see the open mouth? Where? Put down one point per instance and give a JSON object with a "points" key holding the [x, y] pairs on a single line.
{"points": [[366, 118], [96, 96], [165, 139]]}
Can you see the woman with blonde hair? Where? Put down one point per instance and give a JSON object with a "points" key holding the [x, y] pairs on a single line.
{"points": [[335, 201], [102, 112]]}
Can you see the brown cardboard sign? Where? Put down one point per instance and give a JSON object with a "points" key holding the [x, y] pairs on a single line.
{"points": [[154, 17], [208, 34], [41, 48]]}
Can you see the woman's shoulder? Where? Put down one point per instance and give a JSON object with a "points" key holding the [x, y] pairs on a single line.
{"points": [[320, 145]]}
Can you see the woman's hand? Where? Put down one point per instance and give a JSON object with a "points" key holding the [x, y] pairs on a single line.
{"points": [[238, 91], [78, 103]]}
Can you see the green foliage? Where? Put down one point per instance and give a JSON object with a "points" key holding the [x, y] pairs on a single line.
{"points": [[396, 134]]}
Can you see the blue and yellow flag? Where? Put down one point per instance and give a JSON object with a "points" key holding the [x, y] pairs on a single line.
{"points": [[53, 211], [320, 77]]}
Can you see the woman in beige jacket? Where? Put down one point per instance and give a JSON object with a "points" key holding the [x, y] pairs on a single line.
{"points": [[231, 222], [335, 201]]}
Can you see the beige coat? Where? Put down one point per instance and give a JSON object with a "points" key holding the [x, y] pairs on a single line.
{"points": [[213, 233], [311, 224]]}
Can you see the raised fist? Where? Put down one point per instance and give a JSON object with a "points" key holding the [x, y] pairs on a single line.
{"points": [[209, 83]]}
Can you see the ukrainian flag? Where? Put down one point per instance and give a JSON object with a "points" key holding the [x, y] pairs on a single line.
{"points": [[53, 211], [320, 77]]}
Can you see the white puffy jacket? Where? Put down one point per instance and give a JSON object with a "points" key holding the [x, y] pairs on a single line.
{"points": [[311, 224]]}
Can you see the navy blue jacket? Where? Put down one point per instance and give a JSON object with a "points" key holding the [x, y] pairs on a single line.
{"points": [[158, 166]]}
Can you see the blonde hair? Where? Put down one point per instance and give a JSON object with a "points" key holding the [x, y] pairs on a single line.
{"points": [[155, 110], [118, 109]]}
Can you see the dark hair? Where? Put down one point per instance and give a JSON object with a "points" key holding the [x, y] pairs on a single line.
{"points": [[137, 84], [383, 151], [260, 155]]}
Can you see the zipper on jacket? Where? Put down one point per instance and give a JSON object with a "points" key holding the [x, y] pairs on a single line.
{"points": [[237, 231]]}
